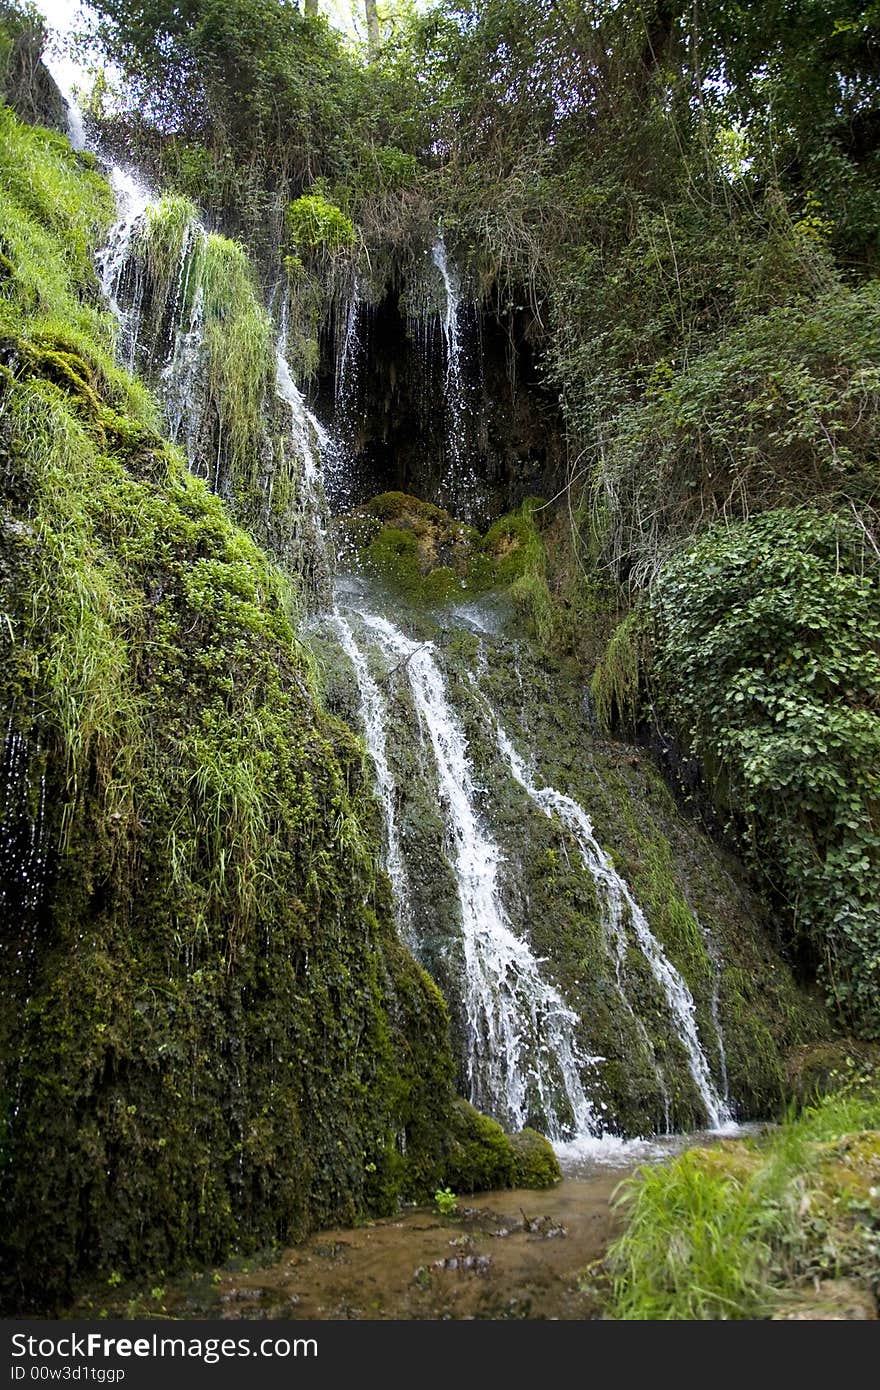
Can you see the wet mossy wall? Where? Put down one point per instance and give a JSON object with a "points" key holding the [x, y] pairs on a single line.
{"points": [[210, 1037], [197, 332], [397, 409]]}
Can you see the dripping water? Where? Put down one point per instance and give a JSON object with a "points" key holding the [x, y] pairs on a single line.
{"points": [[458, 484], [374, 717]]}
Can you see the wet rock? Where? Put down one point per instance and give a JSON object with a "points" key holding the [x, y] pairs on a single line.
{"points": [[465, 1264], [242, 1295], [543, 1226]]}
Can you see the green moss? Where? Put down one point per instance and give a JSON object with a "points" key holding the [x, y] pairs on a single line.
{"points": [[480, 1154], [618, 681], [535, 1163], [430, 558], [743, 1230], [314, 224]]}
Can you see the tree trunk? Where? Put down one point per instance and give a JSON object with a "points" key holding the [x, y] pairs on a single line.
{"points": [[373, 36], [311, 7]]}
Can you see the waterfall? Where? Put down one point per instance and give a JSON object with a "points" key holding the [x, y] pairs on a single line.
{"points": [[715, 958], [177, 361], [458, 483], [114, 260], [345, 377], [181, 375], [523, 1059], [312, 445], [338, 475], [620, 906], [76, 131], [449, 321], [374, 716]]}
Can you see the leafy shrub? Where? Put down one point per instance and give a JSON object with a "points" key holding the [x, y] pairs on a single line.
{"points": [[318, 225]]}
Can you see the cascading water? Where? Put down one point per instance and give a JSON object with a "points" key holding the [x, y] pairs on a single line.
{"points": [[714, 1005], [345, 376], [311, 443], [457, 483], [523, 1060], [174, 355], [180, 377], [115, 263], [374, 716], [449, 320], [23, 850], [619, 909]]}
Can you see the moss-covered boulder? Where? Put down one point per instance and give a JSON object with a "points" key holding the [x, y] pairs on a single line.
{"points": [[535, 1163], [480, 1155]]}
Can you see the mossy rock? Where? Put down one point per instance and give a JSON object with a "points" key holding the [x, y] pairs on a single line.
{"points": [[535, 1163], [822, 1068], [481, 1155], [430, 557], [219, 1041]]}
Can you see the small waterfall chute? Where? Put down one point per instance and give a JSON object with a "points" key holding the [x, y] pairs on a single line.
{"points": [[374, 718], [458, 482], [523, 1058], [621, 911]]}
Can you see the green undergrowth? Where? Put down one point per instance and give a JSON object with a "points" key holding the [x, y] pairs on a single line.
{"points": [[210, 1037], [768, 636], [752, 1228], [784, 409]]}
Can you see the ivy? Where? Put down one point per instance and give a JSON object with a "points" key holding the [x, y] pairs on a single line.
{"points": [[768, 657]]}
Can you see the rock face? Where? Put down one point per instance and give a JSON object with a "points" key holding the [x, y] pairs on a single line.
{"points": [[25, 82]]}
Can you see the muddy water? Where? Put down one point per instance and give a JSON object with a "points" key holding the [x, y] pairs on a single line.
{"points": [[501, 1255], [511, 1254]]}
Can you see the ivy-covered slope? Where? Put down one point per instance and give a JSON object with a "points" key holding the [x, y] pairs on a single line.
{"points": [[209, 1035]]}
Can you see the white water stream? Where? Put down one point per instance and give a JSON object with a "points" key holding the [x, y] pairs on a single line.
{"points": [[458, 483], [619, 910], [374, 715], [523, 1059]]}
